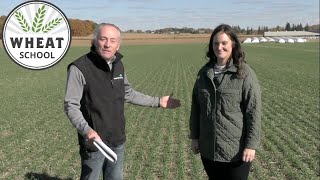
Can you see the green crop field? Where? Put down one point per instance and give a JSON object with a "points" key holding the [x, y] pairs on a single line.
{"points": [[38, 141]]}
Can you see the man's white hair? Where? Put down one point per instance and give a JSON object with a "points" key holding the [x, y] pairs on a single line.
{"points": [[96, 32]]}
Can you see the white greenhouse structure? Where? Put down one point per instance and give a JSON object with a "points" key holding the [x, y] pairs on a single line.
{"points": [[284, 37]]}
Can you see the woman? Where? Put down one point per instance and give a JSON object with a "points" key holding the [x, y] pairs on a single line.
{"points": [[225, 121]]}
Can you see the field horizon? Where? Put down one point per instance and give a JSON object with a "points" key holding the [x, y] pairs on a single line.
{"points": [[146, 39]]}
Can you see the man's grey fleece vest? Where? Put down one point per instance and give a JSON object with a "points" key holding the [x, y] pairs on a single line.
{"points": [[102, 103]]}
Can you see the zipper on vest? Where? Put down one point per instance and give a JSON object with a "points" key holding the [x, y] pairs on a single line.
{"points": [[112, 71]]}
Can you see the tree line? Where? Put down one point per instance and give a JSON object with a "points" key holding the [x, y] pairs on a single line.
{"points": [[287, 27], [238, 29]]}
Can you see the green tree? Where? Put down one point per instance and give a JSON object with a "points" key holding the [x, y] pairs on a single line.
{"points": [[307, 27], [288, 28], [293, 27], [299, 27]]}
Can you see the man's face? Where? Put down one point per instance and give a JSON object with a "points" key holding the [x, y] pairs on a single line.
{"points": [[108, 42]]}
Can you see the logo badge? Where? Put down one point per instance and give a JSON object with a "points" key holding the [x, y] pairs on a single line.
{"points": [[119, 77], [36, 35]]}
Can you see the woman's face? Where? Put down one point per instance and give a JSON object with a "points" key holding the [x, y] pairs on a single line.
{"points": [[222, 47]]}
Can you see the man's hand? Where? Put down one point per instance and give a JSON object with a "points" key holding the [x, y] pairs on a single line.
{"points": [[195, 146], [169, 102], [89, 137], [248, 155]]}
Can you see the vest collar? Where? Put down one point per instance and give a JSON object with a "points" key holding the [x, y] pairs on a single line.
{"points": [[99, 61]]}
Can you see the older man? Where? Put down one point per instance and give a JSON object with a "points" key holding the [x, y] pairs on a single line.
{"points": [[97, 88]]}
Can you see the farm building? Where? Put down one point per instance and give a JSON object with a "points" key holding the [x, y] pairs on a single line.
{"points": [[279, 40], [248, 40], [300, 40], [288, 40], [274, 39], [290, 34], [263, 39], [270, 39], [284, 37], [255, 40]]}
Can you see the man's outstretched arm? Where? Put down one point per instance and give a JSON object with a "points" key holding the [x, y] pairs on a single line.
{"points": [[138, 98]]}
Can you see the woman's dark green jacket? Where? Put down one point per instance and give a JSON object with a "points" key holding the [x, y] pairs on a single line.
{"points": [[226, 112]]}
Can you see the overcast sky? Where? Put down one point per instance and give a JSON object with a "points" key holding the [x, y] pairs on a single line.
{"points": [[156, 14]]}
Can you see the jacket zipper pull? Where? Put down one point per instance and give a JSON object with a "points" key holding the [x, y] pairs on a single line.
{"points": [[111, 83]]}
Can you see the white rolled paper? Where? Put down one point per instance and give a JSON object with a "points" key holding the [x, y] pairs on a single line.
{"points": [[105, 150]]}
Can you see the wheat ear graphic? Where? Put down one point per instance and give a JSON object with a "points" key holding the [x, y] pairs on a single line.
{"points": [[46, 28], [22, 21], [38, 19]]}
